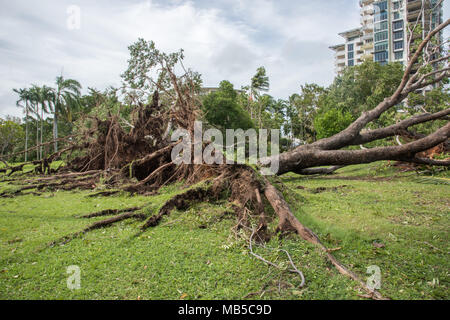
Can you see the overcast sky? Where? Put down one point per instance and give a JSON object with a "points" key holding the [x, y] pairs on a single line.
{"points": [[224, 39]]}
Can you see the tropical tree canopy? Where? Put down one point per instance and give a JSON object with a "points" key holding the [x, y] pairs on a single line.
{"points": [[11, 134], [222, 110]]}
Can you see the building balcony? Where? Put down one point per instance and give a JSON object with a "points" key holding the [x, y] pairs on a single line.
{"points": [[367, 46], [367, 12], [339, 49], [412, 16], [367, 26], [414, 5], [363, 3]]}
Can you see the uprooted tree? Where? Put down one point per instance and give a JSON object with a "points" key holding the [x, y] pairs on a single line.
{"points": [[138, 159]]}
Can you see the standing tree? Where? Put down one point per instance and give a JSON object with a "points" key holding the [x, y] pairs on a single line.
{"points": [[36, 96], [43, 96], [306, 104], [24, 102], [11, 133], [222, 109], [65, 100], [260, 83]]}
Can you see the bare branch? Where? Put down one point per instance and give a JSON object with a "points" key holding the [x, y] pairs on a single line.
{"points": [[398, 128], [426, 161]]}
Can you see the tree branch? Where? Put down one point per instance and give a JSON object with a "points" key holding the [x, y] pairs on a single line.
{"points": [[426, 161], [301, 159], [398, 128]]}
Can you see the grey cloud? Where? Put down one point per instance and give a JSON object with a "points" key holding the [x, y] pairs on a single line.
{"points": [[233, 58]]}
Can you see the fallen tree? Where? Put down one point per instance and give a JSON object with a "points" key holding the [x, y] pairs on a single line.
{"points": [[140, 160]]}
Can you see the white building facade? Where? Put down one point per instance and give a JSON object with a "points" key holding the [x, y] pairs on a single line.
{"points": [[382, 35]]}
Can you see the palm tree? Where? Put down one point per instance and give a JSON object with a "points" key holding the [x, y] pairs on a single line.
{"points": [[24, 97], [40, 95], [34, 108], [65, 101], [45, 96], [260, 82]]}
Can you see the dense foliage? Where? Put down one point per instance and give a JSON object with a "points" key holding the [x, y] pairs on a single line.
{"points": [[222, 110]]}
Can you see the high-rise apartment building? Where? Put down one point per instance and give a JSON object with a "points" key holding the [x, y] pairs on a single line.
{"points": [[383, 34]]}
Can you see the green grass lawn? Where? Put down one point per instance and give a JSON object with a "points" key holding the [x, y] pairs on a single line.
{"points": [[352, 210]]}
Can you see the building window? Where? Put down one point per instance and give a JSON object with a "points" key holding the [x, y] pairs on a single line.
{"points": [[380, 16], [399, 55], [380, 6], [397, 15], [350, 55], [382, 46], [398, 35], [350, 47], [398, 25], [397, 5], [381, 26], [351, 63], [381, 56], [380, 36], [398, 45]]}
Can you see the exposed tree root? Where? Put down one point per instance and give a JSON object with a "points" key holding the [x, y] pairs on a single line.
{"points": [[66, 185], [15, 193], [67, 176], [16, 169], [100, 224], [109, 212], [110, 221], [103, 194], [180, 202]]}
